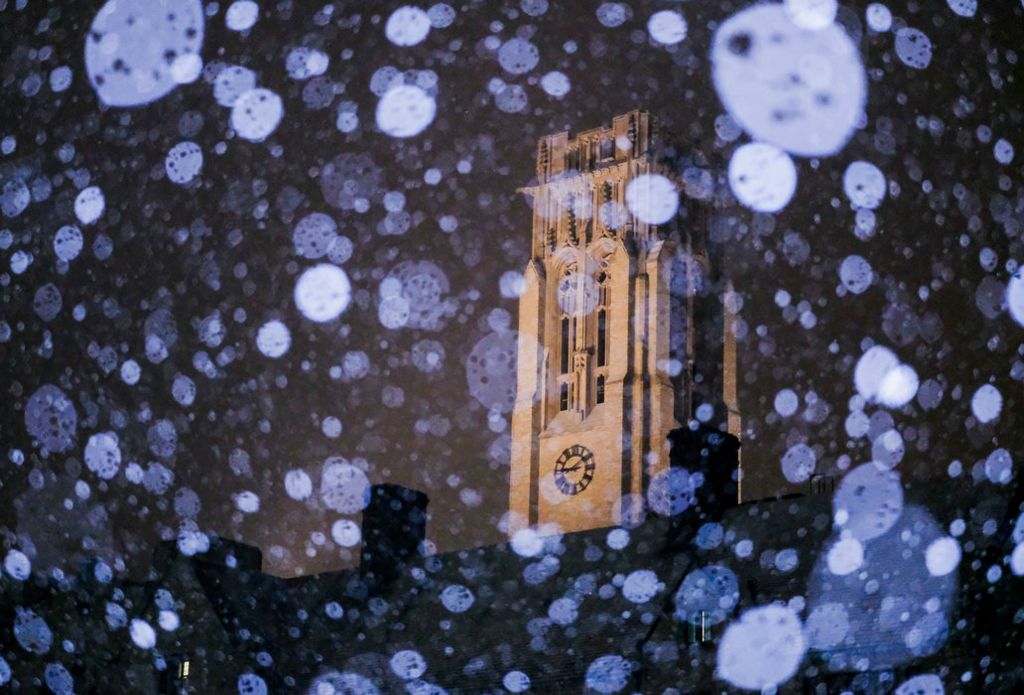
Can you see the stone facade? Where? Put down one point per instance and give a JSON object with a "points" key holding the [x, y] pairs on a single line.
{"points": [[609, 322]]}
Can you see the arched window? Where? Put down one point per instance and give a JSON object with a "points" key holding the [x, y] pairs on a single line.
{"points": [[606, 209], [563, 397], [600, 389], [602, 320], [564, 353]]}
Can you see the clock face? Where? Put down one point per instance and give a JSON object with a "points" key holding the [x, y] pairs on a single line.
{"points": [[574, 470]]}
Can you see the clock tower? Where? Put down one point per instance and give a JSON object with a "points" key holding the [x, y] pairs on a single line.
{"points": [[613, 314]]}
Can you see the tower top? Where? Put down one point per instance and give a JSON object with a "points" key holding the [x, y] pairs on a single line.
{"points": [[628, 137], [579, 195]]}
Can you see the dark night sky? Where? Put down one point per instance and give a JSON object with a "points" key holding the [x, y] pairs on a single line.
{"points": [[921, 125]]}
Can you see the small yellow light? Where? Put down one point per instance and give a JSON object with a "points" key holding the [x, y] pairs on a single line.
{"points": [[184, 669]]}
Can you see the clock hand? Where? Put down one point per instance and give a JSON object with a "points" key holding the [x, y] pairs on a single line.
{"points": [[570, 470]]}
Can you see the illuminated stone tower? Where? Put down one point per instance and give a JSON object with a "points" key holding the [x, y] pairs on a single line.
{"points": [[607, 339]]}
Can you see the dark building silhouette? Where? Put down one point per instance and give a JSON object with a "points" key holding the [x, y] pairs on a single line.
{"points": [[394, 526], [713, 456], [549, 611]]}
